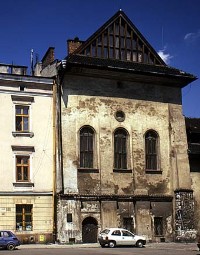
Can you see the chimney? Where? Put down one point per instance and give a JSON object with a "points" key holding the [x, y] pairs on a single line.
{"points": [[48, 57], [72, 45]]}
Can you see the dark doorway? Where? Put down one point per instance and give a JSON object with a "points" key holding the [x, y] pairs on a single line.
{"points": [[89, 230], [128, 223]]}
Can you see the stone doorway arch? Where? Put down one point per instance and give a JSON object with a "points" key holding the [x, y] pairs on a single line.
{"points": [[89, 230]]}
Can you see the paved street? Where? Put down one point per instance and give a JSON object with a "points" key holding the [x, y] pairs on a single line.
{"points": [[95, 249]]}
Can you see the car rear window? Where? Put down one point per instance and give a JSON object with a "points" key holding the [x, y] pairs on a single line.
{"points": [[5, 234]]}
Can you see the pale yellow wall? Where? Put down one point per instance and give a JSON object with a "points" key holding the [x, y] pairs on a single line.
{"points": [[42, 141], [42, 213], [39, 193]]}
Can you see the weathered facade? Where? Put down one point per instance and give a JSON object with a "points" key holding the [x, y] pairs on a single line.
{"points": [[122, 139], [26, 186], [193, 136]]}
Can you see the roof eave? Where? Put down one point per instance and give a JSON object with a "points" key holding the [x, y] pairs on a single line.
{"points": [[182, 80]]}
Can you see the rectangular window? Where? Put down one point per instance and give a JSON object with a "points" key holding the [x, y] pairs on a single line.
{"points": [[151, 150], [86, 147], [22, 168], [69, 217], [158, 226], [120, 151], [22, 118], [24, 216]]}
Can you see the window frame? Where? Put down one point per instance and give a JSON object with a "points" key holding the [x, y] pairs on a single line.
{"points": [[22, 101], [22, 115], [150, 157], [69, 218], [86, 153], [22, 167], [23, 214], [23, 151], [120, 159]]}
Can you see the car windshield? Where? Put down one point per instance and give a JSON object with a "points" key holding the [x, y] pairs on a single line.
{"points": [[105, 231]]}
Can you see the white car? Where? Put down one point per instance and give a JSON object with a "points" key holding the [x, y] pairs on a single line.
{"points": [[118, 236]]}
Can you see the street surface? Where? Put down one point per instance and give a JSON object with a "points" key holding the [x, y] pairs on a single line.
{"points": [[152, 249]]}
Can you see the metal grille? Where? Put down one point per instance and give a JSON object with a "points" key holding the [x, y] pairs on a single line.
{"points": [[151, 148], [120, 152], [86, 147]]}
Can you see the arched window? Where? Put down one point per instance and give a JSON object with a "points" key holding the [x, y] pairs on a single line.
{"points": [[120, 149], [86, 147], [151, 150]]}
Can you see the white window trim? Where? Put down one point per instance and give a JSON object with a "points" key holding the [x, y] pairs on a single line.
{"points": [[28, 103], [30, 183]]}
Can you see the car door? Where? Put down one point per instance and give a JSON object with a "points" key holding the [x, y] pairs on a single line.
{"points": [[116, 235], [127, 238]]}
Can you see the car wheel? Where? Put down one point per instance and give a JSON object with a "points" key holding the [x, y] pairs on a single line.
{"points": [[11, 246], [139, 244], [112, 244]]}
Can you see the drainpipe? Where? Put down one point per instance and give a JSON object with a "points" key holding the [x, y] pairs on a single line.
{"points": [[54, 164]]}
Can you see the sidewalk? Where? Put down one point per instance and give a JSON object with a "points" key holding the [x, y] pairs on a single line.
{"points": [[160, 246]]}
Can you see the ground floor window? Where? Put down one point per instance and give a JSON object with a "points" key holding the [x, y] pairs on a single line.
{"points": [[24, 215], [158, 226]]}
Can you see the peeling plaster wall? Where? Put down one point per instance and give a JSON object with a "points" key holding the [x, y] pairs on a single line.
{"points": [[67, 230], [98, 112], [94, 102], [178, 140]]}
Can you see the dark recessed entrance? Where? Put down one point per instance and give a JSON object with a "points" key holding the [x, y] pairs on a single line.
{"points": [[89, 230]]}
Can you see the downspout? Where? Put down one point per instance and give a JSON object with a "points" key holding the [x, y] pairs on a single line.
{"points": [[54, 164]]}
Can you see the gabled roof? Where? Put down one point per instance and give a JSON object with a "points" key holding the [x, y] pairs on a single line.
{"points": [[119, 46], [119, 39]]}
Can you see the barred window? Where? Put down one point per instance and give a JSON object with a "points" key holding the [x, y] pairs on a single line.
{"points": [[120, 149], [151, 150], [86, 147]]}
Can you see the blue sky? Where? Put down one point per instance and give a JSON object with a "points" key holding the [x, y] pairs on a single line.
{"points": [[172, 27]]}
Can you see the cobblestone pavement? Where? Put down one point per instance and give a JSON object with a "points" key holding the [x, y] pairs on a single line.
{"points": [[161, 246]]}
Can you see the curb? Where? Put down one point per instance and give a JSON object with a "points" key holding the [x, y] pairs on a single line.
{"points": [[160, 246]]}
